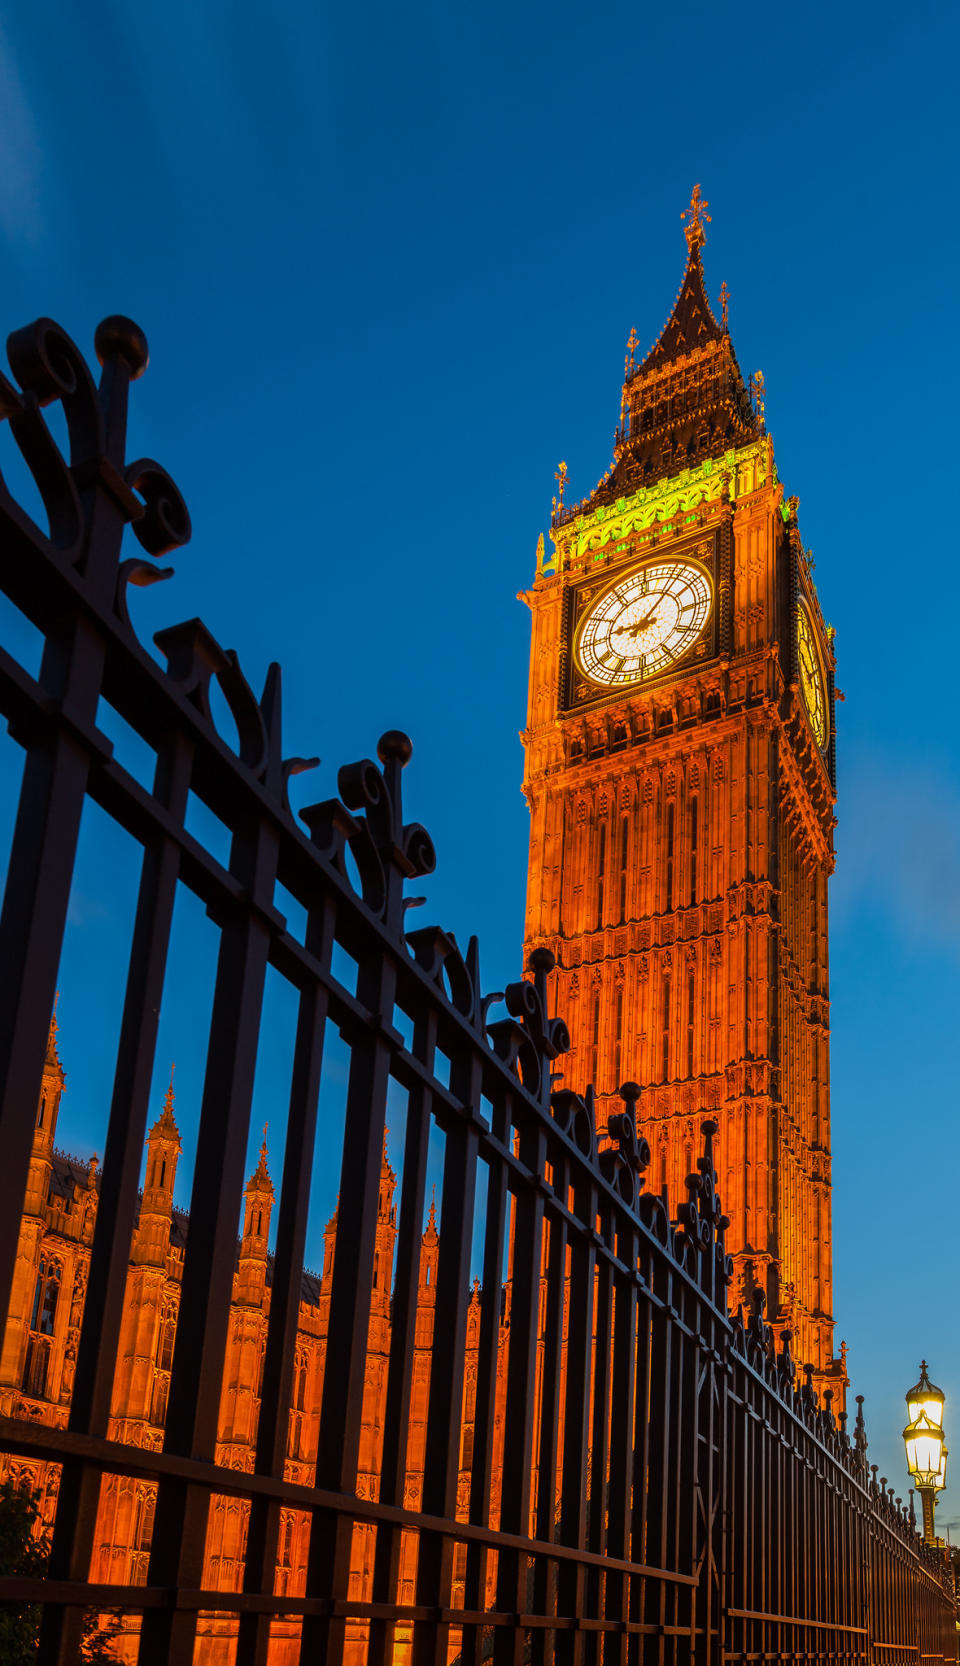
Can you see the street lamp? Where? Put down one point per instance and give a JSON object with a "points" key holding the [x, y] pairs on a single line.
{"points": [[923, 1438]]}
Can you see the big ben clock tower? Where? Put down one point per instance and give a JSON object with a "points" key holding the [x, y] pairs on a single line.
{"points": [[680, 779]]}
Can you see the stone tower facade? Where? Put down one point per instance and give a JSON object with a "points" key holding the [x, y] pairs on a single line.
{"points": [[680, 780]]}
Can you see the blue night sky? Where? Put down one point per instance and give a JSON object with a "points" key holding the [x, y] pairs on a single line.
{"points": [[387, 260]]}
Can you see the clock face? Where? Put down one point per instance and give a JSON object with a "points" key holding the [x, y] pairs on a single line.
{"points": [[811, 678], [645, 623]]}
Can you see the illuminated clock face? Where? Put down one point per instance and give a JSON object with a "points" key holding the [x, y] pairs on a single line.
{"points": [[811, 678], [645, 623]]}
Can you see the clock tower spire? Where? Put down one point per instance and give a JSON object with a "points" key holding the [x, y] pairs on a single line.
{"points": [[680, 779]]}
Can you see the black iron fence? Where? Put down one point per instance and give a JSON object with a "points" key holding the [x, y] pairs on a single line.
{"points": [[608, 1465]]}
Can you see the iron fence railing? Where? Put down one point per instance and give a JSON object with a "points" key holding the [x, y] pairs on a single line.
{"points": [[609, 1465]]}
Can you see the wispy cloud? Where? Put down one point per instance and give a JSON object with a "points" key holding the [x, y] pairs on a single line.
{"points": [[899, 844], [20, 172], [84, 910]]}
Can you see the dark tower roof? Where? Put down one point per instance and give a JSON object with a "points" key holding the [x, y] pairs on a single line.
{"points": [[687, 400], [691, 323]]}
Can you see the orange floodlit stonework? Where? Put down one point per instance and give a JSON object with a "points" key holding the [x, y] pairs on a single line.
{"points": [[40, 1348], [680, 779]]}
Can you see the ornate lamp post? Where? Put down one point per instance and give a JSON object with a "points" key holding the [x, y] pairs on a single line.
{"points": [[923, 1438]]}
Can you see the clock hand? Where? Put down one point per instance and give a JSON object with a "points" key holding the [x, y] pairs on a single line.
{"points": [[643, 625]]}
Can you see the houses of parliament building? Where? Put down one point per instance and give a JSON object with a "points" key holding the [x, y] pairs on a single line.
{"points": [[680, 777]]}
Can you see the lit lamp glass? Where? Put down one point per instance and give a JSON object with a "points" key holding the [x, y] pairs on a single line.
{"points": [[925, 1451], [923, 1439], [925, 1397]]}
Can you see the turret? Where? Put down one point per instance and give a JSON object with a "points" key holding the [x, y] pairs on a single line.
{"points": [[151, 1241], [430, 1255], [258, 1205], [44, 1134], [386, 1237], [23, 1295]]}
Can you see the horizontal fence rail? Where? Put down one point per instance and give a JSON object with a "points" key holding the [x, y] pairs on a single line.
{"points": [[514, 1422]]}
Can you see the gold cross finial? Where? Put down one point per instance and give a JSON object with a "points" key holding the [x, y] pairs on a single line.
{"points": [[561, 478], [724, 304], [633, 343], [758, 388], [697, 214]]}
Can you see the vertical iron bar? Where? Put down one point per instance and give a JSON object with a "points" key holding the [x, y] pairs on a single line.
{"points": [[79, 1491], [331, 1534], [192, 1425], [512, 1566], [445, 1406], [622, 1422], [253, 1640], [35, 902], [600, 1438], [576, 1445], [545, 1573], [484, 1420], [393, 1464]]}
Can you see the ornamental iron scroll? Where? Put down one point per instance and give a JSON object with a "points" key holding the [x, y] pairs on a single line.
{"points": [[575, 1115], [528, 1041], [386, 851], [700, 1224], [50, 369], [623, 1164]]}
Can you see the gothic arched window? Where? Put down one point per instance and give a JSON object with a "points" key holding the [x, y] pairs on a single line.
{"points": [[158, 1404], [167, 1336], [618, 1051], [45, 1297], [665, 1029], [668, 875]]}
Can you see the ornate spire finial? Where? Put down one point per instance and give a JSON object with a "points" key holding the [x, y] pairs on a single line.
{"points": [[758, 388], [165, 1126], [697, 213], [724, 305], [261, 1174], [561, 478], [53, 1056], [633, 342]]}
